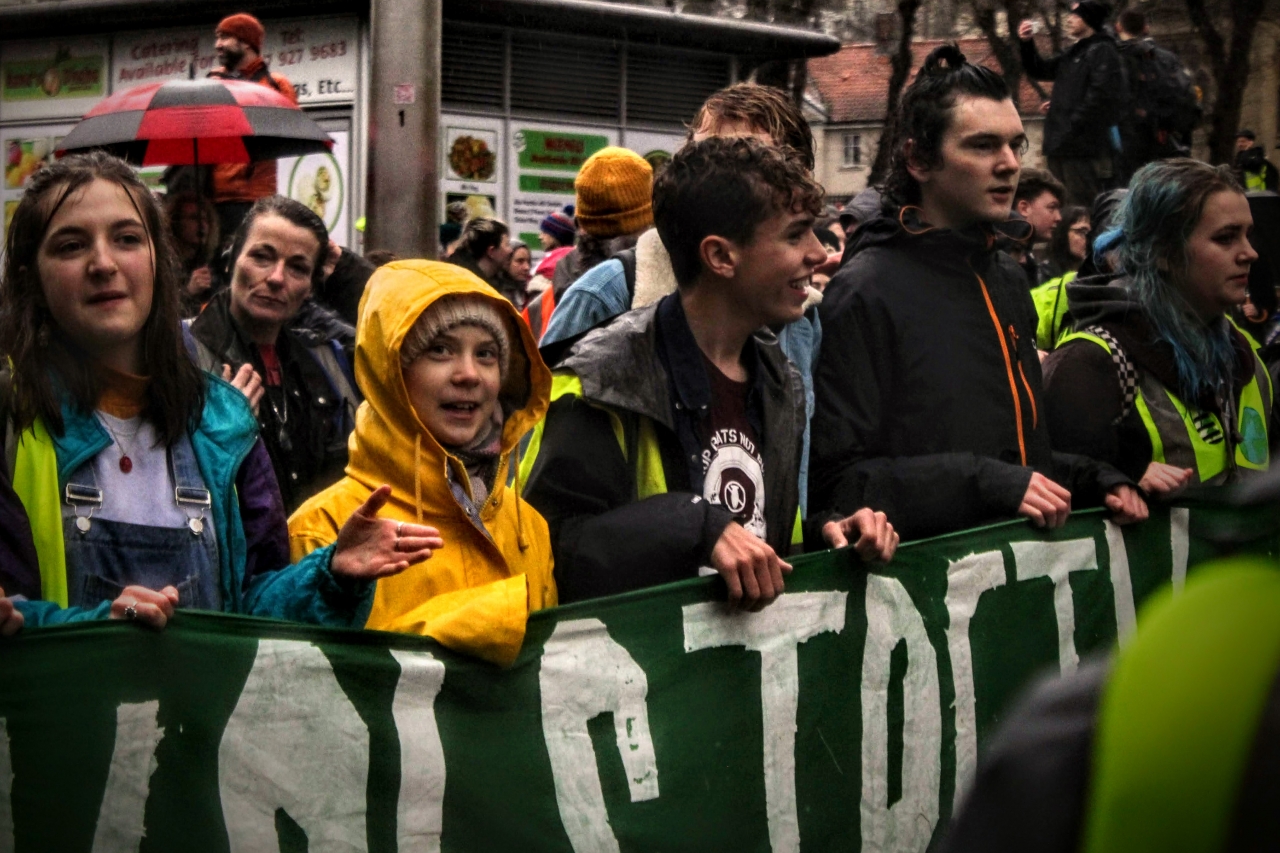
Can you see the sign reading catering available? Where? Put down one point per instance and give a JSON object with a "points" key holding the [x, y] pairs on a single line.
{"points": [[318, 56], [52, 78]]}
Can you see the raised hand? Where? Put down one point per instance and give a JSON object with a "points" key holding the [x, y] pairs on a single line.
{"points": [[370, 547]]}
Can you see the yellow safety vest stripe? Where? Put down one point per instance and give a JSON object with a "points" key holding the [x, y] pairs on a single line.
{"points": [[1050, 300], [35, 480], [1210, 459]]}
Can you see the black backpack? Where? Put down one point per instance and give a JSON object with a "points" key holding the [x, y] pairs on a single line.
{"points": [[1163, 91]]}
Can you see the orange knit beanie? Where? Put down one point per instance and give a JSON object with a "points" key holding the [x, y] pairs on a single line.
{"points": [[614, 193]]}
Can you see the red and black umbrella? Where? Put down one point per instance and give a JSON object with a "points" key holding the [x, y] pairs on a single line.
{"points": [[198, 122]]}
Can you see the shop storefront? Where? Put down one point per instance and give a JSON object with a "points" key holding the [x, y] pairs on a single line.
{"points": [[524, 102]]}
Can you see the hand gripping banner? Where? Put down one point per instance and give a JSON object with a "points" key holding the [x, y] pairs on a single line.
{"points": [[848, 715]]}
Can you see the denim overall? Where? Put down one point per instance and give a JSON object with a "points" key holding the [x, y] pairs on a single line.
{"points": [[103, 557]]}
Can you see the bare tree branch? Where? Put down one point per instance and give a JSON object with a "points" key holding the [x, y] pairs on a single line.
{"points": [[1229, 63], [901, 65]]}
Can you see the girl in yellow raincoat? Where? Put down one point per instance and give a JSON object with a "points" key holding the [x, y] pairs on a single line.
{"points": [[452, 379]]}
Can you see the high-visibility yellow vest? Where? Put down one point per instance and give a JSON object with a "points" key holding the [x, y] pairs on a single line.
{"points": [[1188, 438], [1050, 300], [1255, 181]]}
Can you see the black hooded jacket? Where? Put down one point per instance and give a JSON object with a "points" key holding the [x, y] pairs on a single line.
{"points": [[1083, 397], [1088, 92], [929, 404]]}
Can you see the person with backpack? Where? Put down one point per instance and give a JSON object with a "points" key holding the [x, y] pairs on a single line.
{"points": [[612, 208], [1163, 107], [1156, 380], [671, 447], [1088, 96], [641, 276], [1255, 171], [236, 186]]}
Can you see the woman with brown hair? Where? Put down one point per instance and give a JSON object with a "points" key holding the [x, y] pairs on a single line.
{"points": [[193, 224], [143, 480]]}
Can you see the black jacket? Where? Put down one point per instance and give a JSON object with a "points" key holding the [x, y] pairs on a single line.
{"points": [[929, 405], [1089, 93], [304, 426], [342, 290], [645, 366]]}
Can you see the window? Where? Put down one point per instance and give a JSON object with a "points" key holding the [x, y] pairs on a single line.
{"points": [[852, 150]]}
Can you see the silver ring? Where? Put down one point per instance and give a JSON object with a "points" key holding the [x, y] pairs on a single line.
{"points": [[131, 612], [399, 530]]}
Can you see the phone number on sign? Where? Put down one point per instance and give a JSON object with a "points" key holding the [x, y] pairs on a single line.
{"points": [[318, 52]]}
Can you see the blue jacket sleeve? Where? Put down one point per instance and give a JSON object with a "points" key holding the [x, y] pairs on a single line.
{"points": [[308, 591], [600, 295], [305, 591], [42, 614]]}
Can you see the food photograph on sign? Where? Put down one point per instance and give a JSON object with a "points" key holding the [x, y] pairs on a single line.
{"points": [[24, 157], [471, 154]]}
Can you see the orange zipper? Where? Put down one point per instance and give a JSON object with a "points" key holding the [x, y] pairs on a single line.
{"points": [[1035, 419], [1008, 366]]}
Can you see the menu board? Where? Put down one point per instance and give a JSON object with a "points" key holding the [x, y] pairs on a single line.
{"points": [[544, 161]]}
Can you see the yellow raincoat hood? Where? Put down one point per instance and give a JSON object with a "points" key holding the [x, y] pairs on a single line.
{"points": [[475, 594]]}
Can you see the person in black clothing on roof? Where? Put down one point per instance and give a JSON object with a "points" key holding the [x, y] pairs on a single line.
{"points": [[929, 404], [1088, 96], [673, 438]]}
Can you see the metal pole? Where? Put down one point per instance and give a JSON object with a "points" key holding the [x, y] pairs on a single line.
{"points": [[403, 201]]}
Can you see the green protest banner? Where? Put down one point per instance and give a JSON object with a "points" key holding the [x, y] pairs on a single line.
{"points": [[845, 716]]}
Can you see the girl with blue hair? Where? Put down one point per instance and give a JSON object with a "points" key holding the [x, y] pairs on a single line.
{"points": [[1156, 379]]}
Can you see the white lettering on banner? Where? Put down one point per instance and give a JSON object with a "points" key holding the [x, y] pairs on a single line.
{"points": [[420, 814], [1056, 561], [907, 825], [133, 760], [776, 633], [584, 674], [1179, 544], [967, 579], [6, 790], [1121, 583], [294, 741]]}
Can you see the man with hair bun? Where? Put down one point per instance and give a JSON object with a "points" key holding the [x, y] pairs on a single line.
{"points": [[929, 405], [236, 186]]}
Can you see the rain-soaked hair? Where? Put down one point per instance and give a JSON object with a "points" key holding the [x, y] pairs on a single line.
{"points": [[761, 108], [47, 365], [295, 213], [925, 114], [1165, 202], [725, 187]]}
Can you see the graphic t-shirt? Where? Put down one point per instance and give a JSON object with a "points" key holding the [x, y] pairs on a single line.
{"points": [[732, 466]]}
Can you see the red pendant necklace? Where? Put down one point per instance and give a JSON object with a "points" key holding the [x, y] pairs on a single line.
{"points": [[126, 464]]}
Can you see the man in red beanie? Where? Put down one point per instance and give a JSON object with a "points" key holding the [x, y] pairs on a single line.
{"points": [[236, 186]]}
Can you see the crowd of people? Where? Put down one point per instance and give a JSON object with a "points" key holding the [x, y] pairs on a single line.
{"points": [[213, 405]]}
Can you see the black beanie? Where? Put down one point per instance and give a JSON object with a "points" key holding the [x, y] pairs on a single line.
{"points": [[1093, 13]]}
